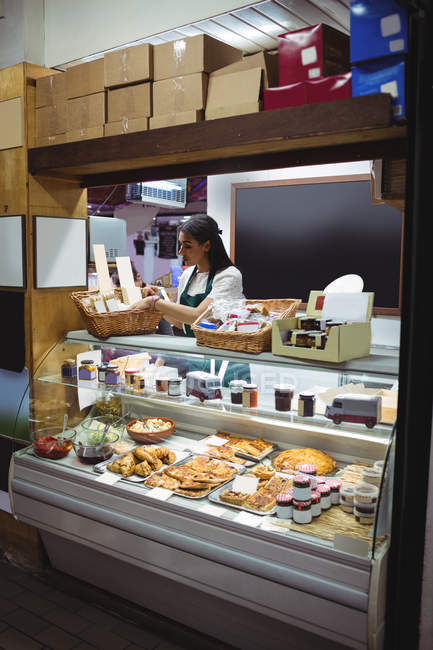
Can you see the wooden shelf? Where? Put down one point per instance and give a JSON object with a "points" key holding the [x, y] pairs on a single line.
{"points": [[360, 128]]}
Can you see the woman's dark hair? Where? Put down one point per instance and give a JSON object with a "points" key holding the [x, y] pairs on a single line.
{"points": [[203, 228]]}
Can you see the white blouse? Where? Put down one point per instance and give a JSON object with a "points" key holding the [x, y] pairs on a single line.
{"points": [[226, 284]]}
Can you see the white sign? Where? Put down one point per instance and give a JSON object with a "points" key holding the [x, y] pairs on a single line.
{"points": [[248, 519], [245, 484], [209, 509], [162, 494], [215, 441], [109, 478], [346, 306]]}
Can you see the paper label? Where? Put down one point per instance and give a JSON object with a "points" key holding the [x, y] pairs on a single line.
{"points": [[104, 280], [124, 270], [162, 494], [314, 73], [346, 306], [215, 441], [248, 519], [112, 304], [309, 55], [100, 306], [109, 478], [396, 45], [209, 509], [391, 88], [390, 25], [131, 295], [245, 484]]}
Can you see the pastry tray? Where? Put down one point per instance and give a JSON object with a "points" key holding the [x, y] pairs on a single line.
{"points": [[255, 459], [202, 496], [214, 497], [100, 468], [291, 472]]}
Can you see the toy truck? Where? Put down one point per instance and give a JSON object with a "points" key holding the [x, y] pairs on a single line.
{"points": [[203, 385], [349, 407]]}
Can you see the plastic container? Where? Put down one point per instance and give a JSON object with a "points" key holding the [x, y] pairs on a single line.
{"points": [[372, 475], [347, 492], [366, 493]]}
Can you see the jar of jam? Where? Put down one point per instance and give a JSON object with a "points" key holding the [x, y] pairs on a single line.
{"points": [[174, 386], [69, 368], [284, 505], [335, 486], [317, 340], [307, 468], [236, 387], [302, 512], [87, 370], [101, 372], [250, 396], [300, 338], [130, 379], [306, 404], [325, 495], [316, 506], [139, 382], [161, 384], [283, 397], [112, 375], [301, 487]]}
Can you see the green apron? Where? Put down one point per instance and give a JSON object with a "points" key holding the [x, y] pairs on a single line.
{"points": [[234, 370]]}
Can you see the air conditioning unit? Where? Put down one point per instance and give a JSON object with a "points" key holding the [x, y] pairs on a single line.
{"points": [[108, 231], [170, 193]]}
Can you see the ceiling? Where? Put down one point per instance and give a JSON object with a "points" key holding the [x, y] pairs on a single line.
{"points": [[257, 26]]}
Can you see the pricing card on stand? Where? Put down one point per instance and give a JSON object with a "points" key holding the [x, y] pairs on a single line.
{"points": [[162, 494], [245, 484]]}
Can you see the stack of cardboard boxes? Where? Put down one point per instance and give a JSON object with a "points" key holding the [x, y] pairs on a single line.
{"points": [[85, 93], [313, 66], [51, 110]]}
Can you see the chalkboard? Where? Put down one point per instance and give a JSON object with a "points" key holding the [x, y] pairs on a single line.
{"points": [[290, 238]]}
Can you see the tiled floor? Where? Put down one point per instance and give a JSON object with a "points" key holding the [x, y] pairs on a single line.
{"points": [[53, 611]]}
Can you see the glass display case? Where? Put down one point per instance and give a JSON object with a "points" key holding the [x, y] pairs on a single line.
{"points": [[232, 492]]}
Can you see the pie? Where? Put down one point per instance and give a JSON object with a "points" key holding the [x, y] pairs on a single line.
{"points": [[196, 477], [263, 472], [292, 458], [264, 499], [251, 447], [162, 480], [235, 498], [225, 453]]}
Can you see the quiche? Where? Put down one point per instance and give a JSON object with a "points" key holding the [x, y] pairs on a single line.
{"points": [[292, 458]]}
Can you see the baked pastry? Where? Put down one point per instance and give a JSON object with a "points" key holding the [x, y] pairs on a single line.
{"points": [[225, 453], [167, 456], [264, 472], [260, 500], [244, 445], [292, 458], [235, 498], [162, 480], [143, 468], [124, 465]]}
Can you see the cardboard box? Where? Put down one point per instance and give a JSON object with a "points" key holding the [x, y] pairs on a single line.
{"points": [[264, 60], [130, 65], [180, 94], [131, 102], [51, 89], [345, 342], [127, 126], [377, 28], [51, 120], [85, 79], [285, 96], [234, 94], [330, 89], [48, 140], [86, 112], [85, 134], [200, 53], [382, 76], [311, 53], [175, 119]]}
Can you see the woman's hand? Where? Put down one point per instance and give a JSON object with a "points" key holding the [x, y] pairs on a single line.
{"points": [[150, 290], [144, 303]]}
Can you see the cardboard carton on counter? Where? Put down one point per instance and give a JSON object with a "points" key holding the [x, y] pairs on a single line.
{"points": [[350, 341], [131, 102], [180, 94], [200, 53], [175, 119], [51, 89], [129, 65], [232, 94], [85, 79], [86, 112]]}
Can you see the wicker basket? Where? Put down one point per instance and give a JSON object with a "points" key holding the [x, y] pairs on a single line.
{"points": [[252, 342], [116, 323]]}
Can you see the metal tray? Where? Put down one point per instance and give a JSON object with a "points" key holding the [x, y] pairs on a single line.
{"points": [[214, 497], [255, 459], [100, 468], [202, 496]]}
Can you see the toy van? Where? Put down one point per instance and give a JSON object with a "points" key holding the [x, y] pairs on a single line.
{"points": [[349, 407], [203, 385]]}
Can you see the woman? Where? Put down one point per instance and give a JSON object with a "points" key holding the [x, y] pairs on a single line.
{"points": [[210, 275]]}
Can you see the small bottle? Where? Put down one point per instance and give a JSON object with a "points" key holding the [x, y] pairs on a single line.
{"points": [[250, 396], [316, 506], [284, 505], [130, 379], [87, 370], [306, 404], [139, 382], [325, 496], [101, 372], [283, 397], [236, 388], [301, 488], [174, 386], [302, 512]]}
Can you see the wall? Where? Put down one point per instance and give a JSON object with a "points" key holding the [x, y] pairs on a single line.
{"points": [[385, 330], [102, 24], [12, 33]]}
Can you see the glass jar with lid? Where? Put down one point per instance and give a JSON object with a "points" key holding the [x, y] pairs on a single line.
{"points": [[283, 397], [250, 396], [306, 404], [236, 388]]}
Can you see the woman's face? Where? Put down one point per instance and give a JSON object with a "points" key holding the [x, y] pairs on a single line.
{"points": [[191, 250]]}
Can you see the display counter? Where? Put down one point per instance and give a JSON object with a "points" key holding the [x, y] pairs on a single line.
{"points": [[245, 576]]}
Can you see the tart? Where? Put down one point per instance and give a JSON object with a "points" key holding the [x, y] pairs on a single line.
{"points": [[235, 498], [292, 458]]}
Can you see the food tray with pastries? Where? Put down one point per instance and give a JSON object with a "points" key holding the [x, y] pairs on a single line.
{"points": [[194, 478], [261, 502], [142, 461], [250, 449], [291, 460]]}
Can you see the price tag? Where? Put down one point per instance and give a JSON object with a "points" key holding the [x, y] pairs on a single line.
{"points": [[245, 484], [209, 509], [162, 494], [216, 441], [268, 523], [248, 519], [109, 478]]}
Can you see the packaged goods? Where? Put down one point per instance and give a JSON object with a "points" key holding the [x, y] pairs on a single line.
{"points": [[385, 75], [267, 61], [85, 79], [69, 368], [129, 65], [250, 396], [174, 384], [50, 90], [175, 119], [325, 495], [302, 512], [306, 404], [51, 120], [329, 89], [285, 96], [284, 505], [112, 375], [335, 486], [200, 53], [180, 94], [232, 94], [87, 370], [316, 506], [236, 388], [311, 53], [126, 125], [131, 102], [301, 488], [86, 112], [366, 493], [283, 397], [378, 28]]}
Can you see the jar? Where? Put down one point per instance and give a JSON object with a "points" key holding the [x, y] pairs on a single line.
{"points": [[372, 475], [364, 518], [317, 340], [316, 506], [139, 382], [101, 372], [299, 338], [87, 370], [302, 512], [174, 386], [69, 368], [236, 388], [325, 496], [301, 488], [284, 505], [112, 375], [366, 493], [306, 404], [283, 397], [335, 486], [307, 323], [161, 384], [347, 492], [130, 379], [249, 396], [346, 506]]}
